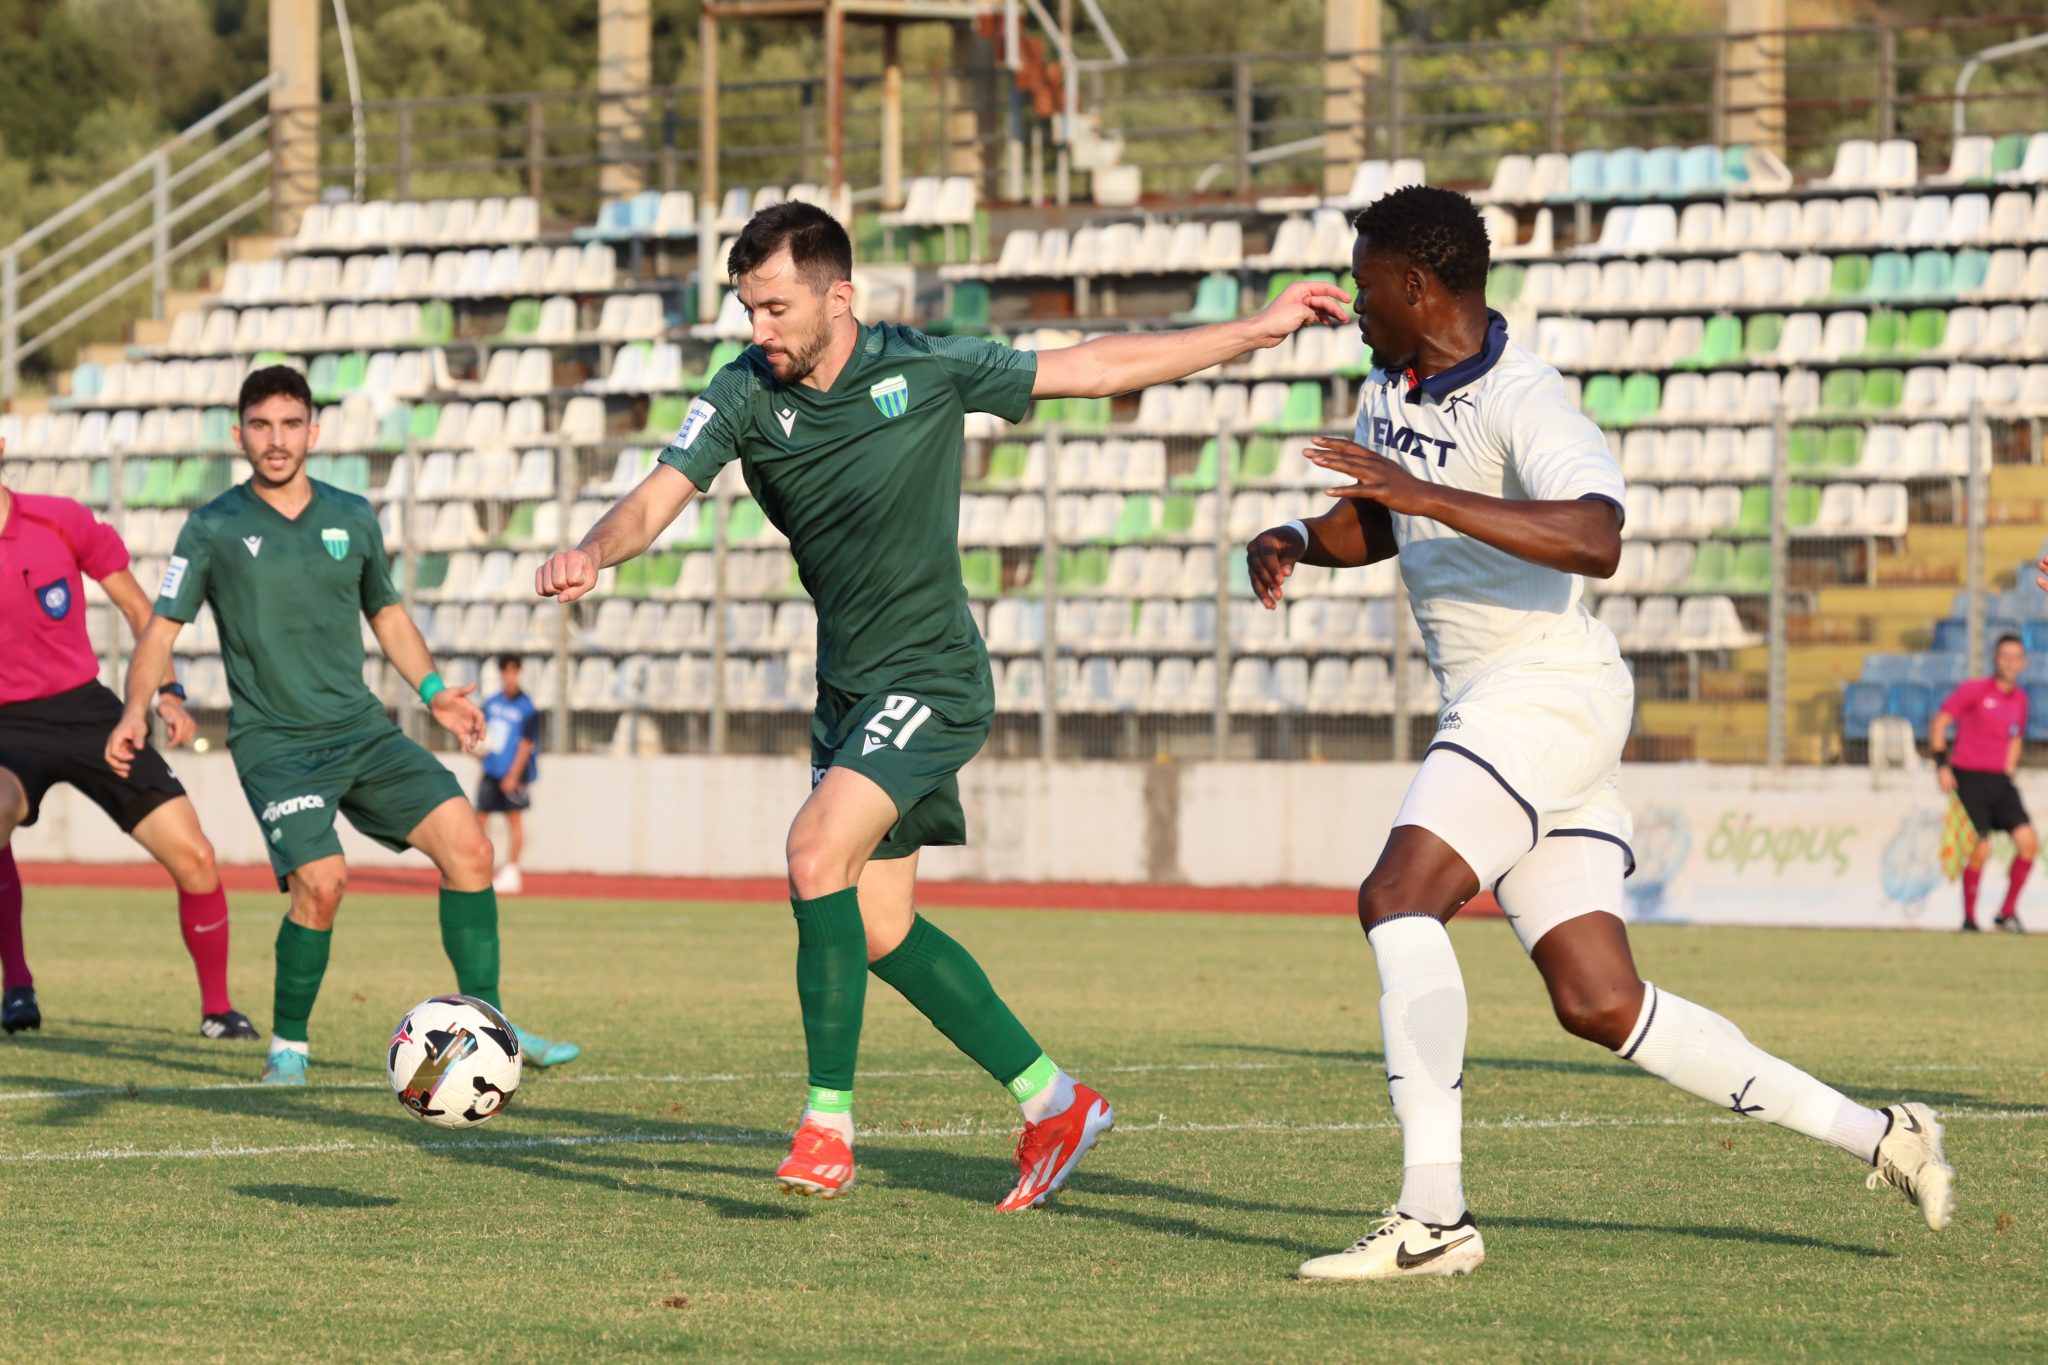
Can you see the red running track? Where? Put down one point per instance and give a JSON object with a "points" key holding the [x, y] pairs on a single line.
{"points": [[1214, 900]]}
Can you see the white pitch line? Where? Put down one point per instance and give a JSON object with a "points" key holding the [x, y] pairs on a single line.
{"points": [[706, 1078], [1160, 1125]]}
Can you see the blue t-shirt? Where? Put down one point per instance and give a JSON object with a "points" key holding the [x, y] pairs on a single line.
{"points": [[507, 721]]}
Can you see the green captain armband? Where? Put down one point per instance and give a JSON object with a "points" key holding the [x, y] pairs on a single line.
{"points": [[431, 687]]}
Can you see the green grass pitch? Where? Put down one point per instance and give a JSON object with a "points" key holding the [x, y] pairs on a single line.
{"points": [[156, 1206]]}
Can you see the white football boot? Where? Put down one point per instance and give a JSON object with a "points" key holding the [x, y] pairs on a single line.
{"points": [[509, 881], [1909, 1159], [1402, 1247]]}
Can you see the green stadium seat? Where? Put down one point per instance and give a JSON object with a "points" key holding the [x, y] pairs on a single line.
{"points": [[392, 428], [1084, 569], [1045, 411], [437, 323], [263, 359], [1753, 518], [1802, 506], [159, 484], [1713, 567], [2007, 153], [1262, 456], [320, 377], [1841, 391], [1752, 574], [1006, 464], [632, 578], [982, 572], [793, 589], [1882, 390], [1851, 276], [1885, 334], [664, 571], [1357, 368], [1930, 276], [1803, 451], [747, 523], [1925, 329], [1761, 335], [1208, 466], [1177, 514], [522, 320], [1600, 399], [1720, 344], [320, 467], [1216, 299], [665, 413], [424, 422], [1504, 285], [214, 426], [1304, 410], [350, 473], [1277, 282], [969, 313], [1843, 450], [1137, 520], [1240, 576], [199, 480], [99, 483], [433, 572], [1967, 272], [1087, 415], [1891, 272], [519, 526], [1640, 396]]}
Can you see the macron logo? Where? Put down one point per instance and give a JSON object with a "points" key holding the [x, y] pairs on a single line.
{"points": [[788, 419], [255, 543], [277, 810]]}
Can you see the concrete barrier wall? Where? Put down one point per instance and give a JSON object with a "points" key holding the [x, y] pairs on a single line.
{"points": [[1714, 844]]}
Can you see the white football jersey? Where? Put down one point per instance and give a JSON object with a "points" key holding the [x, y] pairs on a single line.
{"points": [[1499, 423]]}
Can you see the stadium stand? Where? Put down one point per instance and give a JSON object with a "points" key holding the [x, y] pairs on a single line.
{"points": [[1693, 296]]}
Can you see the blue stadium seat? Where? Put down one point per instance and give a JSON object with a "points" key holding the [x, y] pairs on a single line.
{"points": [[2037, 670], [1912, 701], [2037, 711], [1700, 170], [611, 223], [1862, 703], [1885, 668], [1951, 636], [1935, 670], [1660, 174], [1622, 176], [2035, 634], [1587, 177]]}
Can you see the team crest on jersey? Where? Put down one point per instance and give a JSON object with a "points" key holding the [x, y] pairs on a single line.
{"points": [[336, 541], [54, 599], [892, 396]]}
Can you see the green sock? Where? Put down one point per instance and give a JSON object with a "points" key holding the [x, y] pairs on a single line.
{"points": [[301, 962], [469, 935], [948, 987], [831, 985]]}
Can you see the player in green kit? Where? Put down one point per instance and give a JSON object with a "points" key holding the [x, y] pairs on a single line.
{"points": [[850, 437], [290, 566]]}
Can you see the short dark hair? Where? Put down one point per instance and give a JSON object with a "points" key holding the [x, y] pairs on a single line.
{"points": [[818, 245], [2008, 639], [270, 382], [1438, 229], [510, 661]]}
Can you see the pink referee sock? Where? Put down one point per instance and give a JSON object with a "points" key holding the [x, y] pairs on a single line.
{"points": [[2016, 880], [13, 958], [203, 919]]}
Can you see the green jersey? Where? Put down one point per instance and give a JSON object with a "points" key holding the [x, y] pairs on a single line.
{"points": [[288, 595], [864, 479]]}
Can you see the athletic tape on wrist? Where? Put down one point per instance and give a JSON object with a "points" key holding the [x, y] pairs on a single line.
{"points": [[1299, 530], [431, 687]]}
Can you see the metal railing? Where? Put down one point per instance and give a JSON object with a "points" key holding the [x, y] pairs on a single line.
{"points": [[171, 203]]}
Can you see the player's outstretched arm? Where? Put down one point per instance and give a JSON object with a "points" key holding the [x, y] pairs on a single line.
{"points": [[1350, 535], [407, 650], [147, 667], [620, 534], [1119, 364], [1578, 536], [129, 599]]}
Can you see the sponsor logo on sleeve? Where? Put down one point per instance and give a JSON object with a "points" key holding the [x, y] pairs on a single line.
{"points": [[694, 421], [174, 577]]}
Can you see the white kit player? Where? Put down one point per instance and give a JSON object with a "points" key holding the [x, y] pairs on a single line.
{"points": [[1473, 465]]}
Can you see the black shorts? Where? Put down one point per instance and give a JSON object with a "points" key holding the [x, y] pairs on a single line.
{"points": [[1991, 801], [493, 799], [64, 739]]}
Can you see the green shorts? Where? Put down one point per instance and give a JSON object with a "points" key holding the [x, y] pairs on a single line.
{"points": [[912, 743], [383, 782]]}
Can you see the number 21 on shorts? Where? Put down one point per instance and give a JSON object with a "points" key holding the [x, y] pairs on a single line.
{"points": [[890, 726]]}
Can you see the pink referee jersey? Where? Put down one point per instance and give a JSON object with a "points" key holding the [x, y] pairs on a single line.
{"points": [[1987, 719], [45, 548]]}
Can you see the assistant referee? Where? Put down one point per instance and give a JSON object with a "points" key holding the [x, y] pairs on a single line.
{"points": [[1989, 716]]}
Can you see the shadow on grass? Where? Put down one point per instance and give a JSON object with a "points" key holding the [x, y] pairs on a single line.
{"points": [[1757, 1236], [317, 1196]]}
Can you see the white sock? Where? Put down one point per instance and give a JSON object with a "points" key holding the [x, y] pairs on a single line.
{"points": [[1422, 1022], [1054, 1099], [840, 1123], [278, 1044], [1703, 1054]]}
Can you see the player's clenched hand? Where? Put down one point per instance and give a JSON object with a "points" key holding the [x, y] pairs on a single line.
{"points": [[178, 723], [567, 576], [1298, 305], [128, 740], [1271, 558], [459, 716], [1379, 479]]}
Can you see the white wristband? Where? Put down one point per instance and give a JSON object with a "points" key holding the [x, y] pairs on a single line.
{"points": [[1299, 530]]}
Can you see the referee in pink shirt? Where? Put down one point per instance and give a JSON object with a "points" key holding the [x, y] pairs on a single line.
{"points": [[1989, 716], [54, 717]]}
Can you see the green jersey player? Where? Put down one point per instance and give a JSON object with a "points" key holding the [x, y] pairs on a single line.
{"points": [[290, 567], [850, 437]]}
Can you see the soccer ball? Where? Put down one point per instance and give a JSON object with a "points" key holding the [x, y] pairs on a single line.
{"points": [[454, 1061]]}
